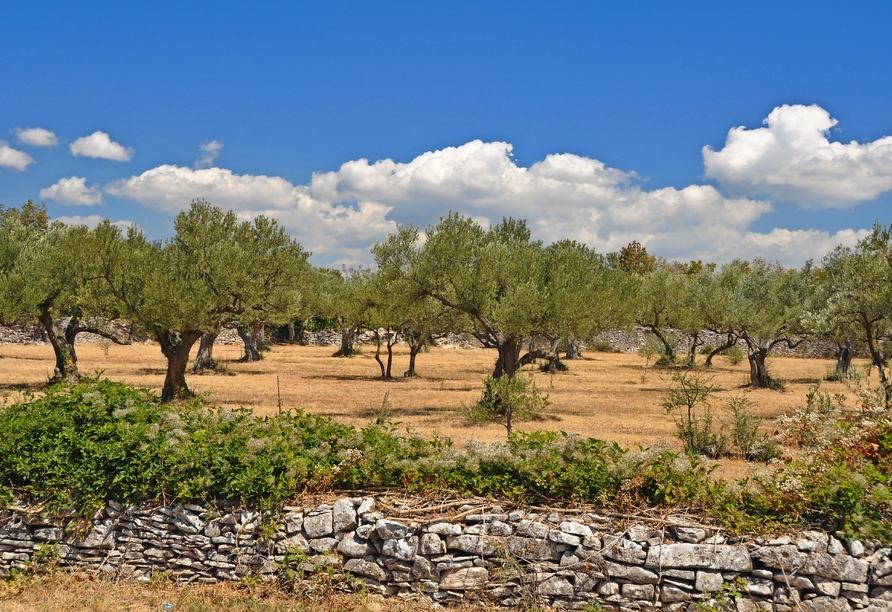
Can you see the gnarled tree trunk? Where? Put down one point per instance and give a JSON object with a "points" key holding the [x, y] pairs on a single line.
{"points": [[668, 348], [204, 360], [416, 342], [554, 358], [251, 339], [508, 361], [62, 333], [175, 345], [572, 350], [63, 349], [758, 371], [731, 341], [389, 341], [348, 338], [696, 343]]}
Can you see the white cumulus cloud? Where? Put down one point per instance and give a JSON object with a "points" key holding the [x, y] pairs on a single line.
{"points": [[340, 214], [792, 159], [209, 152], [92, 221], [13, 158], [73, 191], [99, 144], [36, 137], [333, 232]]}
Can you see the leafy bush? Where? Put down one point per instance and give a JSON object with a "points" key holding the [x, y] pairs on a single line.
{"points": [[507, 401], [96, 440], [744, 425], [601, 346], [733, 355], [697, 428]]}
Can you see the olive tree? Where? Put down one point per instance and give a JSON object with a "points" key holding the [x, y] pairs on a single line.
{"points": [[856, 297], [48, 275], [181, 288]]}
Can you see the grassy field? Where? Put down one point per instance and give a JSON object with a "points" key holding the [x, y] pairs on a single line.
{"points": [[606, 395], [85, 593]]}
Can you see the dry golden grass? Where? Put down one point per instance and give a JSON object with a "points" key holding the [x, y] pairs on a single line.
{"points": [[606, 395], [62, 592]]}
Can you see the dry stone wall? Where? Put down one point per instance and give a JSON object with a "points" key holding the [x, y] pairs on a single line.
{"points": [[559, 558]]}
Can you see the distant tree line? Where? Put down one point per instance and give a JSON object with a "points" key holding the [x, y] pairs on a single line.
{"points": [[528, 301]]}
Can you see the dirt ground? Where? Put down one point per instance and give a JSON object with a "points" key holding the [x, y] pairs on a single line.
{"points": [[606, 395]]}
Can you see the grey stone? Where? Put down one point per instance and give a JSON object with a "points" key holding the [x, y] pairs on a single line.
{"points": [[593, 542], [825, 586], [498, 528], [639, 533], [532, 529], [622, 550], [638, 591], [100, 536], [431, 544], [212, 529], [318, 524], [856, 548], [470, 578], [854, 587], [474, 544], [693, 535], [608, 589], [478, 529], [837, 567], [343, 515], [881, 593], [564, 538], [677, 573], [700, 556], [361, 567], [294, 522], [48, 534], [632, 573], [881, 567], [797, 582], [353, 546], [708, 582], [835, 547], [576, 528], [297, 541], [444, 528], [759, 586], [366, 505], [404, 549], [825, 604], [390, 530], [556, 585], [534, 549], [188, 517], [670, 593], [422, 569]]}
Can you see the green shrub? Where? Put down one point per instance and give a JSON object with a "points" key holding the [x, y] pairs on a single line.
{"points": [[507, 401], [733, 355], [689, 394], [601, 346], [744, 425]]}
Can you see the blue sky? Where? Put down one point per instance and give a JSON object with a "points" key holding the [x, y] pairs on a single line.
{"points": [[588, 119]]}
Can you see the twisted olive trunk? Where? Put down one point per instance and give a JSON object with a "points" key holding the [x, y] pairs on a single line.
{"points": [[175, 346], [205, 358]]}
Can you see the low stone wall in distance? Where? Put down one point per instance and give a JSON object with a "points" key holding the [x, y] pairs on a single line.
{"points": [[566, 559]]}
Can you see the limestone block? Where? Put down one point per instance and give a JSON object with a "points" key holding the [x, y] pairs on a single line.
{"points": [[700, 556]]}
